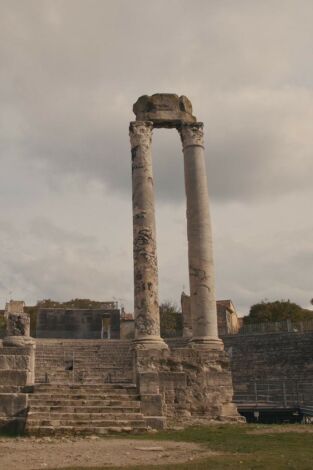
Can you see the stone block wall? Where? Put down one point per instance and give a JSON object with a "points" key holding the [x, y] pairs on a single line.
{"points": [[185, 386], [16, 373], [270, 357]]}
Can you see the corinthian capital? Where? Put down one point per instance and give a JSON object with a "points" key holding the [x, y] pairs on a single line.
{"points": [[140, 133], [192, 134]]}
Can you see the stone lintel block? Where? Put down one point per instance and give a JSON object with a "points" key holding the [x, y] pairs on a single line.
{"points": [[151, 405], [13, 404], [14, 377], [148, 383], [164, 110]]}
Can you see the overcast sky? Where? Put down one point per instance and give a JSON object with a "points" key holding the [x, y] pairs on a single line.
{"points": [[70, 73]]}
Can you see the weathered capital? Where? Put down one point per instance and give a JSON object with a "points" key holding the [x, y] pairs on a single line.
{"points": [[140, 133], [192, 134]]}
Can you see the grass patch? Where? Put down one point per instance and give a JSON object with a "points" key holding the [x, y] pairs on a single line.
{"points": [[291, 449]]}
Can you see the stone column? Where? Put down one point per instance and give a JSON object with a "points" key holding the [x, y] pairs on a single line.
{"points": [[146, 302], [200, 250]]}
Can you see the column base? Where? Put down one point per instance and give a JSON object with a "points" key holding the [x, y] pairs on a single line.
{"points": [[206, 342], [150, 343]]}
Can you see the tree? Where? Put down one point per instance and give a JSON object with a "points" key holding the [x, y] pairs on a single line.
{"points": [[74, 303], [2, 326], [171, 321], [277, 311]]}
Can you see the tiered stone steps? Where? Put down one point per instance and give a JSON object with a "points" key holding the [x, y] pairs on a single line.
{"points": [[84, 361], [84, 409], [84, 387]]}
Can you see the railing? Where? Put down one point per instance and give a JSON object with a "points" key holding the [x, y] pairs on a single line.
{"points": [[284, 326], [276, 394]]}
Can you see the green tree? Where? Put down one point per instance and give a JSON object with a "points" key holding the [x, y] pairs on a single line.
{"points": [[171, 321], [2, 326], [277, 311], [74, 303]]}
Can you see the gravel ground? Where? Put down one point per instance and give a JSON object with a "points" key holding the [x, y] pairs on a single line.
{"points": [[53, 453]]}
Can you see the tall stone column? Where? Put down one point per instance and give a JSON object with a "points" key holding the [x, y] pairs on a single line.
{"points": [[146, 302], [200, 249]]}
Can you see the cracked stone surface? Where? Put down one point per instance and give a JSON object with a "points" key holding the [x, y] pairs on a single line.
{"points": [[18, 324], [147, 322]]}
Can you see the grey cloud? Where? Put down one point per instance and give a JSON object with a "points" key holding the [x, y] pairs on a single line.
{"points": [[70, 72], [49, 261], [74, 72], [275, 268]]}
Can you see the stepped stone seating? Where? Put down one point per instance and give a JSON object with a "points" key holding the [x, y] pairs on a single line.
{"points": [[84, 409], [84, 387], [84, 361]]}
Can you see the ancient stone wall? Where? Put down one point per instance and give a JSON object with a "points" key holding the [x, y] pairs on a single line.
{"points": [[16, 373], [185, 385], [270, 357]]}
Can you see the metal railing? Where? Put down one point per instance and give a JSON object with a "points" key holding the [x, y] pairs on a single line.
{"points": [[284, 326], [276, 394]]}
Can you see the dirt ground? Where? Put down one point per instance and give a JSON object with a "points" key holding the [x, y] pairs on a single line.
{"points": [[48, 453]]}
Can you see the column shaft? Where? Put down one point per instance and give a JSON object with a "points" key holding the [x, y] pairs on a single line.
{"points": [[146, 303], [200, 249]]}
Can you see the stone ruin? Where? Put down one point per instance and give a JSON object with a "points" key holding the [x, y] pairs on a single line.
{"points": [[195, 380], [157, 384], [167, 110]]}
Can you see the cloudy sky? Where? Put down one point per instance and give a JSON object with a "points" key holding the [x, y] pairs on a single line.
{"points": [[70, 73]]}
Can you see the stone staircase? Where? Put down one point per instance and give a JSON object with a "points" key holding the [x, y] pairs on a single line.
{"points": [[84, 387], [84, 361], [84, 409]]}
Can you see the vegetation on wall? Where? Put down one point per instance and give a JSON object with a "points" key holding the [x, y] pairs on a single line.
{"points": [[73, 303], [2, 326], [171, 321]]}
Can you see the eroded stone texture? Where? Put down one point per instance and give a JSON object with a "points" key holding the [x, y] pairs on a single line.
{"points": [[200, 249], [18, 324], [14, 306], [186, 385], [147, 322], [164, 110], [16, 371]]}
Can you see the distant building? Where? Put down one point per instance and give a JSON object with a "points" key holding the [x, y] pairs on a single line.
{"points": [[127, 325], [227, 318], [76, 323]]}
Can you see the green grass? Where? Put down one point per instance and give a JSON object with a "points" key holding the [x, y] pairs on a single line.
{"points": [[239, 448]]}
